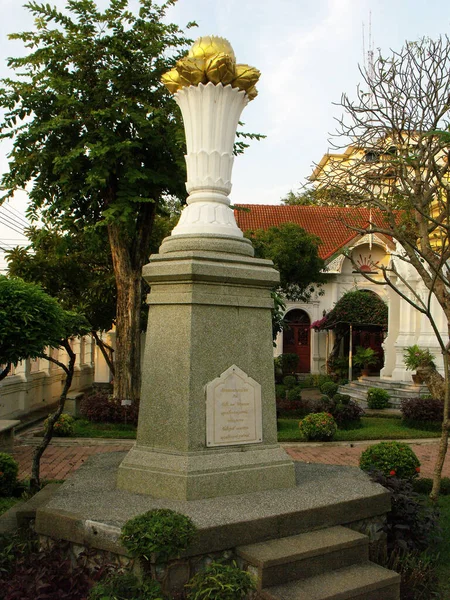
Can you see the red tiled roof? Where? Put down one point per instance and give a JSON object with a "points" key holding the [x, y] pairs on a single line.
{"points": [[326, 222]]}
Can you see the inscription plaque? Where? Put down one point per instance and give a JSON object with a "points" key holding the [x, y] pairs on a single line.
{"points": [[233, 409]]}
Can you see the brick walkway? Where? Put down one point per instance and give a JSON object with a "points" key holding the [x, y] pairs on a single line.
{"points": [[64, 457]]}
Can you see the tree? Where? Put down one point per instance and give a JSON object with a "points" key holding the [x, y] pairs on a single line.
{"points": [[30, 322], [295, 255], [76, 269], [98, 137], [398, 164]]}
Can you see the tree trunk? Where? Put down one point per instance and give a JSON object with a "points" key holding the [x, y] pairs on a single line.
{"points": [[35, 469], [443, 444], [434, 381], [104, 350], [127, 379], [5, 371]]}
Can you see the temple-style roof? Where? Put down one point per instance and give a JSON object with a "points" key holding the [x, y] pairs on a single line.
{"points": [[329, 223]]}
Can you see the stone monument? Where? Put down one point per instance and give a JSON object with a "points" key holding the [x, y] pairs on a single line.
{"points": [[207, 424]]}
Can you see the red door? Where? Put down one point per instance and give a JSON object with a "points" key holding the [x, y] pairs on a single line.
{"points": [[297, 338]]}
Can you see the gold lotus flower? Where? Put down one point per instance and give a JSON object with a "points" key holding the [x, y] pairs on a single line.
{"points": [[252, 93], [173, 81], [209, 45], [220, 69], [190, 70], [246, 77]]}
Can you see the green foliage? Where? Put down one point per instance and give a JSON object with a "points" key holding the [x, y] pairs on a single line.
{"points": [[289, 362], [290, 381], [162, 532], [364, 357], [419, 577], [76, 268], [64, 426], [125, 586], [9, 469], [294, 394], [414, 357], [295, 255], [314, 380], [358, 307], [280, 391], [392, 459], [318, 427], [329, 388], [377, 398], [423, 485], [220, 582], [30, 320]]}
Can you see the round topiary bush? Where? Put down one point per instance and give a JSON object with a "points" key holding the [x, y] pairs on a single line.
{"points": [[329, 388], [8, 474], [161, 532], [294, 395], [125, 586], [221, 582], [318, 426], [64, 426], [377, 398], [391, 458], [290, 381]]}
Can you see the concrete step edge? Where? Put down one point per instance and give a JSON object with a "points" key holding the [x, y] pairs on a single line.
{"points": [[342, 584], [300, 547]]}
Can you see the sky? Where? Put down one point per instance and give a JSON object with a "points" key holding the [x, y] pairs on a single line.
{"points": [[308, 53]]}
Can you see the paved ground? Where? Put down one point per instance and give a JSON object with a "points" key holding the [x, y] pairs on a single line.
{"points": [[63, 457]]}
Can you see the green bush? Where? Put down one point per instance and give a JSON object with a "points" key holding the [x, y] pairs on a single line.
{"points": [[64, 426], [125, 586], [289, 362], [318, 426], [424, 485], [392, 459], [414, 357], [294, 395], [162, 532], [342, 399], [290, 381], [377, 398], [220, 582], [329, 388], [280, 391], [8, 474]]}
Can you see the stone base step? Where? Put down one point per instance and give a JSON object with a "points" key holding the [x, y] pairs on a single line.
{"points": [[306, 555], [365, 581]]}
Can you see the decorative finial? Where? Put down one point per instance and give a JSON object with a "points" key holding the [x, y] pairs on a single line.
{"points": [[212, 59]]}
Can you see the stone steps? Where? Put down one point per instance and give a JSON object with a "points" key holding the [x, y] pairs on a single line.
{"points": [[325, 564], [365, 581], [397, 389]]}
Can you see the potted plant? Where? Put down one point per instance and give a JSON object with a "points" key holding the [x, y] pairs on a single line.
{"points": [[414, 358], [364, 358]]}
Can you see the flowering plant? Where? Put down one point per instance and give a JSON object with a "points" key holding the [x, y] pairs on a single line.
{"points": [[395, 459], [318, 426], [64, 426]]}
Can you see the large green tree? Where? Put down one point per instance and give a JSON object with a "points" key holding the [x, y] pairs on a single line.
{"points": [[31, 322], [97, 137]]}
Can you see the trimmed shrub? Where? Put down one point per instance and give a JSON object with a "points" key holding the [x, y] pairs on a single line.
{"points": [[64, 426], [410, 525], [162, 532], [392, 459], [329, 388], [102, 408], [294, 395], [318, 426], [325, 404], [315, 380], [125, 586], [377, 398], [347, 414], [289, 382], [342, 398], [220, 582], [9, 469], [422, 409], [280, 391], [424, 485]]}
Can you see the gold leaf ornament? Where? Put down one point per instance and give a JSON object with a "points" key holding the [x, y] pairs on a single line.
{"points": [[252, 93], [221, 68], [172, 80], [191, 70], [208, 46], [246, 77]]}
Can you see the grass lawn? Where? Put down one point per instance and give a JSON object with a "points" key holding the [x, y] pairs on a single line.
{"points": [[371, 428], [84, 428], [6, 503]]}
